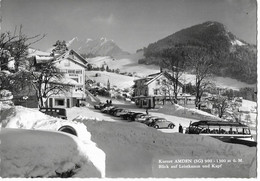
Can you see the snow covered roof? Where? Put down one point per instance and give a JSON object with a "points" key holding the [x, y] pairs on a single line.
{"points": [[65, 81], [43, 59], [80, 60], [155, 76], [33, 52]]}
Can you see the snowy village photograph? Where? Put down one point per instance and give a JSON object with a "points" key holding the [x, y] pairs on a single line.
{"points": [[128, 89]]}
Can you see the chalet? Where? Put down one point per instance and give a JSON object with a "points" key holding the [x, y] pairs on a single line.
{"points": [[155, 89], [73, 66]]}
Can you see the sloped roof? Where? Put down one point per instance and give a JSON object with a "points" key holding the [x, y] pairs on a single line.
{"points": [[43, 59], [82, 61], [158, 75], [64, 81]]}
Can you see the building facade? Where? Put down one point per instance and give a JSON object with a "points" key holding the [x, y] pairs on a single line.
{"points": [[155, 89], [73, 66]]}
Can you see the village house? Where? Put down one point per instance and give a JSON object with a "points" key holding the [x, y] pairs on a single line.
{"points": [[155, 89], [73, 66]]}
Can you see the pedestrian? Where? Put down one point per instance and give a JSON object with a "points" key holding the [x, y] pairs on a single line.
{"points": [[110, 102], [180, 128], [147, 112]]}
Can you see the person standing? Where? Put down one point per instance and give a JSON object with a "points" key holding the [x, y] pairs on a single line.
{"points": [[180, 128]]}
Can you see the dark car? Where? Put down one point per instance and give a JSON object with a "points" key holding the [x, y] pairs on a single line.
{"points": [[162, 123], [149, 120], [113, 110], [127, 116], [55, 112], [135, 115]]}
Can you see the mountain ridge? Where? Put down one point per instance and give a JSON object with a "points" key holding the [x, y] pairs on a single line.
{"points": [[237, 58], [96, 47]]}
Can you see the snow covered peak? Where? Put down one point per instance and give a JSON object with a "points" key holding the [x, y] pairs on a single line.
{"points": [[237, 42], [99, 47], [71, 41], [88, 40]]}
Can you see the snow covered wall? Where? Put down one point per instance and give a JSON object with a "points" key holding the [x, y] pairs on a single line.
{"points": [[35, 148]]}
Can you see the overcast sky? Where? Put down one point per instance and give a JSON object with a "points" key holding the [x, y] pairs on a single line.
{"points": [[132, 24]]}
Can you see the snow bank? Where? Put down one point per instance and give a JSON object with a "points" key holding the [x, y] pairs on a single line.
{"points": [[6, 110], [178, 110], [25, 118], [133, 150], [31, 153]]}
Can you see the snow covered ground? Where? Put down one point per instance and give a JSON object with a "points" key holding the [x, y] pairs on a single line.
{"points": [[129, 63], [133, 150], [120, 81], [28, 152]]}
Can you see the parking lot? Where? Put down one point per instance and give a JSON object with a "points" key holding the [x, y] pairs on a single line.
{"points": [[152, 112]]}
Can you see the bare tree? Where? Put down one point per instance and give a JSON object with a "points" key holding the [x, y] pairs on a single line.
{"points": [[201, 62], [174, 61], [46, 80], [167, 89], [221, 103], [15, 45]]}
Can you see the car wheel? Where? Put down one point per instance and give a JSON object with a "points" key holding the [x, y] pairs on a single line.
{"points": [[156, 126], [171, 126]]}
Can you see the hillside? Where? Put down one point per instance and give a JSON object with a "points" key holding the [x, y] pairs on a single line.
{"points": [[120, 81], [130, 64], [233, 57]]}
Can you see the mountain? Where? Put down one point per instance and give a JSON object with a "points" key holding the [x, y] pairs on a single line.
{"points": [[97, 47], [236, 58]]}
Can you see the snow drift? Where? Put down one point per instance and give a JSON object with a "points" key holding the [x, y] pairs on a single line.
{"points": [[31, 153], [80, 150], [181, 111], [133, 150]]}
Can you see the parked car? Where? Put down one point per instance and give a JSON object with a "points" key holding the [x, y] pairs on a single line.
{"points": [[127, 116], [142, 118], [55, 112], [118, 113], [149, 120], [100, 105], [116, 110], [135, 115], [162, 123], [111, 111], [107, 109]]}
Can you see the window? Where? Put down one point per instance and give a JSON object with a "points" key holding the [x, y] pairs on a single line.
{"points": [[144, 102], [158, 82], [71, 71], [164, 82], [155, 91], [78, 71], [59, 102], [146, 92], [63, 70]]}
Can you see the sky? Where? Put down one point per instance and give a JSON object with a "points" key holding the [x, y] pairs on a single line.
{"points": [[132, 24]]}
